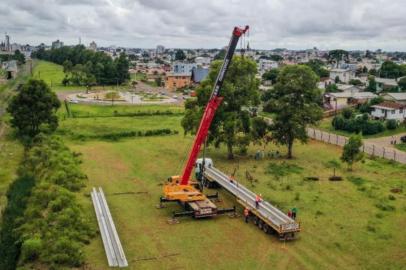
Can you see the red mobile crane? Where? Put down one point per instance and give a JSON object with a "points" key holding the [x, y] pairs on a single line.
{"points": [[178, 188]]}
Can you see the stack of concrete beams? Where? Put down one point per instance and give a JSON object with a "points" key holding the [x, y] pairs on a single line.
{"points": [[112, 245]]}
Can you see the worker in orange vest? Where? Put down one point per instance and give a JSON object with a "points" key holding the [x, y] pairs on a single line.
{"points": [[232, 179], [246, 214], [258, 199]]}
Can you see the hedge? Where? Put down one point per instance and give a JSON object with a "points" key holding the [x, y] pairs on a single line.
{"points": [[115, 136], [43, 222], [358, 124]]}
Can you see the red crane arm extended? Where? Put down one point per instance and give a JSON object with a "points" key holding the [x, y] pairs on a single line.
{"points": [[212, 105]]}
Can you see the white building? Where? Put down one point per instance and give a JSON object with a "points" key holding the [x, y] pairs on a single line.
{"points": [[345, 75], [183, 68], [93, 46], [202, 61], [266, 64], [57, 44], [389, 110]]}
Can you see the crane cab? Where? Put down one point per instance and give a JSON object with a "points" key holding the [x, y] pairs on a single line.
{"points": [[208, 163]]}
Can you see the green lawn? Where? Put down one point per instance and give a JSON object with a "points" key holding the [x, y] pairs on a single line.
{"points": [[401, 146], [357, 223], [325, 124], [53, 75]]}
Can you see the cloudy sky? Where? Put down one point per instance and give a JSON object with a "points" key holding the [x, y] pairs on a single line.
{"points": [[294, 24]]}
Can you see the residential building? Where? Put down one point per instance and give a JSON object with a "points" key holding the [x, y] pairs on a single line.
{"points": [[202, 61], [57, 44], [389, 110], [344, 99], [181, 68], [266, 64], [177, 81], [7, 46], [384, 83], [344, 75], [199, 74], [395, 97], [347, 88], [93, 46], [11, 68]]}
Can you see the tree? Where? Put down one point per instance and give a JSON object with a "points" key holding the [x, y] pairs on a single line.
{"points": [[371, 84], [230, 125], [122, 66], [355, 82], [19, 57], [180, 55], [295, 104], [271, 75], [220, 55], [318, 67], [402, 84], [390, 69], [67, 66], [332, 88], [276, 57], [351, 151], [335, 56], [34, 106], [259, 129], [158, 81]]}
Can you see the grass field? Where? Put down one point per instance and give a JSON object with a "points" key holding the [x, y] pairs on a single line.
{"points": [[53, 75], [357, 223], [325, 124]]}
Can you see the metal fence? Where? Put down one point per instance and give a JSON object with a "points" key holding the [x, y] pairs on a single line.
{"points": [[368, 148]]}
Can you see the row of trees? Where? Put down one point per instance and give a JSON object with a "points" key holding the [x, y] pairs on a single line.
{"points": [[294, 100], [44, 223], [87, 67]]}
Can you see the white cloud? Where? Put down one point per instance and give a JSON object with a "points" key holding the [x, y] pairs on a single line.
{"points": [[349, 24]]}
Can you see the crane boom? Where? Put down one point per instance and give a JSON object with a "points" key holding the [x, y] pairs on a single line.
{"points": [[212, 105]]}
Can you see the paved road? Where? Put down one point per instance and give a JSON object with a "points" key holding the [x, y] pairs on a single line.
{"points": [[386, 141]]}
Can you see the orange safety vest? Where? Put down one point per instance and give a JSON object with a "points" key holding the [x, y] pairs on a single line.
{"points": [[246, 212]]}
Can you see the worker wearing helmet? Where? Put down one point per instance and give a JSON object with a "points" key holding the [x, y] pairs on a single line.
{"points": [[246, 214]]}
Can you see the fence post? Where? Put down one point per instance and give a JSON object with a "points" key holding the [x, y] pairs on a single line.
{"points": [[329, 134], [314, 133], [383, 152], [394, 155]]}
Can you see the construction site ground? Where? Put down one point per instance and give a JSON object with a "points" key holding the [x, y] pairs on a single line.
{"points": [[357, 223]]}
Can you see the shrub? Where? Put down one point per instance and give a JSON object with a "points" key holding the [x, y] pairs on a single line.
{"points": [[347, 113], [391, 124], [30, 249]]}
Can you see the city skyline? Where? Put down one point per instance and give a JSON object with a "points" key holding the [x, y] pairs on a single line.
{"points": [[351, 25]]}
